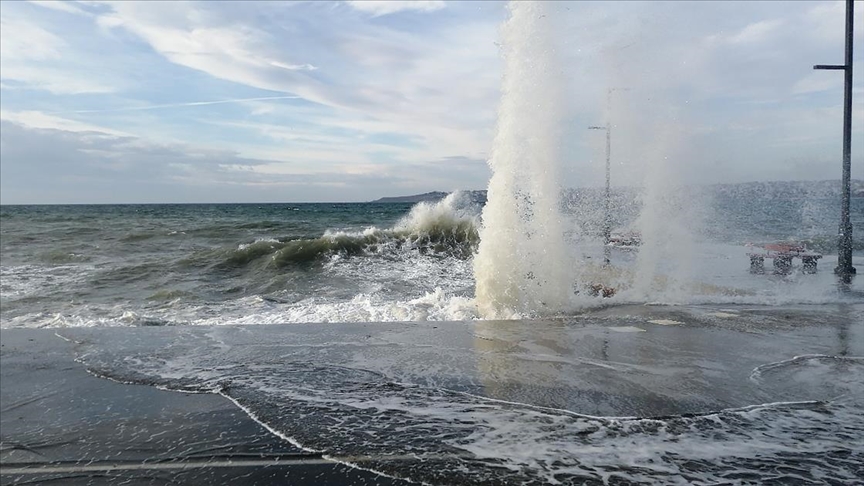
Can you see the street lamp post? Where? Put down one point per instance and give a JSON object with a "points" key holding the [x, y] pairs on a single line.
{"points": [[844, 269], [607, 215]]}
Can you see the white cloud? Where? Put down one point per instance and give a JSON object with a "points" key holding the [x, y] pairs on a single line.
{"points": [[756, 32], [824, 23], [60, 81], [61, 5], [23, 40], [388, 80], [385, 7], [293, 67], [37, 58], [192, 36], [186, 104], [816, 82], [36, 119], [39, 163]]}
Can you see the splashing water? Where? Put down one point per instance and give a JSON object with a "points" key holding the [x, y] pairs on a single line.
{"points": [[528, 262], [522, 263], [666, 222]]}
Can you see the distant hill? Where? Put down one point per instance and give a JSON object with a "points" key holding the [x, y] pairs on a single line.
{"points": [[429, 196], [478, 197], [745, 189]]}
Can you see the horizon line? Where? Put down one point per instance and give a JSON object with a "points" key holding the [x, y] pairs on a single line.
{"points": [[383, 197]]}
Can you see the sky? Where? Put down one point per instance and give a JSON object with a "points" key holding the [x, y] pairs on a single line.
{"points": [[126, 102]]}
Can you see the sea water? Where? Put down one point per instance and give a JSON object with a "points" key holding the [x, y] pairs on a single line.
{"points": [[213, 264]]}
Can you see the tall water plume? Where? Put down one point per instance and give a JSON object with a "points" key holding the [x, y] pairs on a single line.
{"points": [[567, 69], [523, 264], [667, 221]]}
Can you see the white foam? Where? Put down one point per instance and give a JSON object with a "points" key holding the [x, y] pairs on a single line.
{"points": [[333, 234], [258, 241], [25, 280], [665, 322], [454, 213], [454, 209], [436, 305]]}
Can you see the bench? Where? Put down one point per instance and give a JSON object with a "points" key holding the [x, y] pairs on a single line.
{"points": [[782, 255]]}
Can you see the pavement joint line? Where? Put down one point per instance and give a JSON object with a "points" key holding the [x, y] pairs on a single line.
{"points": [[67, 468]]}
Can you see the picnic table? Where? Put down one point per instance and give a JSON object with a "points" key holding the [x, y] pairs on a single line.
{"points": [[628, 240], [782, 255]]}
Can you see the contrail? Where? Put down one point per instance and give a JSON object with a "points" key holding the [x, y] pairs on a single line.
{"points": [[177, 105]]}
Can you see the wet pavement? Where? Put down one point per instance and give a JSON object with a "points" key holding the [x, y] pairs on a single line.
{"points": [[61, 425], [665, 394]]}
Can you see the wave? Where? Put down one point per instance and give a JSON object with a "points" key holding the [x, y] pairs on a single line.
{"points": [[446, 228], [60, 257]]}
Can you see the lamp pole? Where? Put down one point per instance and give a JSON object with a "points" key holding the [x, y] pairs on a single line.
{"points": [[607, 215], [844, 269]]}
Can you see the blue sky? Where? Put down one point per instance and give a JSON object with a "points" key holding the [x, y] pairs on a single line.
{"points": [[351, 101]]}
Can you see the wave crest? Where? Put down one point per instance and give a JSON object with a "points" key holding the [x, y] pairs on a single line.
{"points": [[446, 228]]}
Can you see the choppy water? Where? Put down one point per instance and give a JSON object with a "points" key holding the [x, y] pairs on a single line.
{"points": [[188, 264], [247, 263]]}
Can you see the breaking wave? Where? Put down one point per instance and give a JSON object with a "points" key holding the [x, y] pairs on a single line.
{"points": [[446, 228]]}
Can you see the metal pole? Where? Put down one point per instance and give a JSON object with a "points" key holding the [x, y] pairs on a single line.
{"points": [[607, 219], [844, 245], [607, 216], [844, 250]]}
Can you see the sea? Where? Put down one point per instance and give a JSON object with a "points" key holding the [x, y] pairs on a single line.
{"points": [[217, 264]]}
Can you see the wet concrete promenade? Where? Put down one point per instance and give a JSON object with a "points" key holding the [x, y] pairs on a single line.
{"points": [[432, 401]]}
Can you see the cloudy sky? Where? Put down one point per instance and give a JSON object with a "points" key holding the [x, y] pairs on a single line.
{"points": [[107, 102]]}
